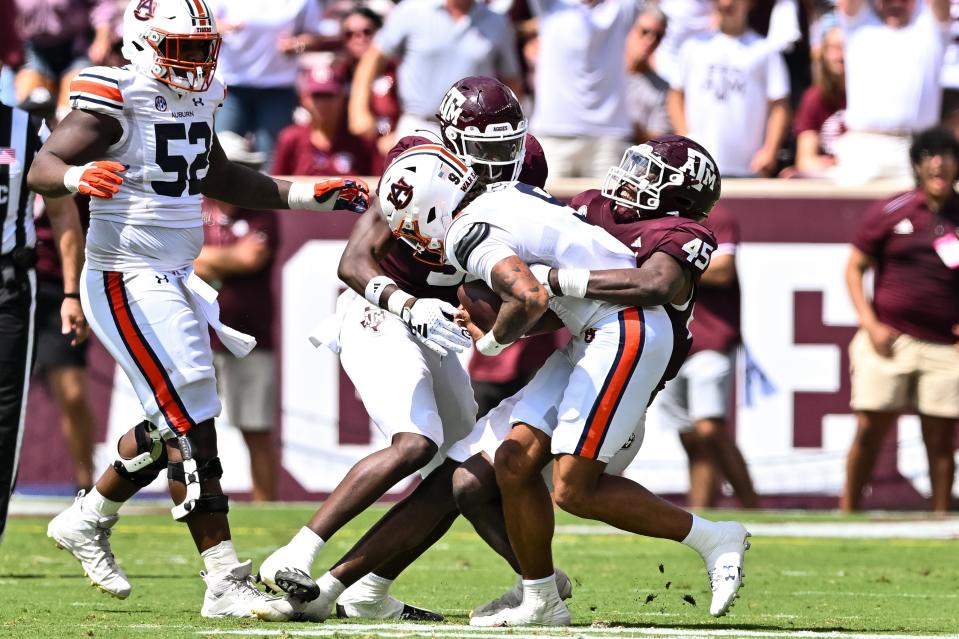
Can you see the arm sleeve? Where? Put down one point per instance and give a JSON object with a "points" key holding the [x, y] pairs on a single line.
{"points": [[391, 37], [873, 228], [777, 77], [477, 247], [97, 89]]}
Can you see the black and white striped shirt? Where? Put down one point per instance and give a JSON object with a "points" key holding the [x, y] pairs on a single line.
{"points": [[19, 143]]}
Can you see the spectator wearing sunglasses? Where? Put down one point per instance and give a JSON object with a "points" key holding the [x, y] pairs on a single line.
{"points": [[645, 89]]}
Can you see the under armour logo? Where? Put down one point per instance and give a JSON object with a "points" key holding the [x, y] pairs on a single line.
{"points": [[162, 279], [197, 102]]}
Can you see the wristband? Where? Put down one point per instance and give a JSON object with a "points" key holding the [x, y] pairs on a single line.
{"points": [[397, 302], [487, 345], [573, 281], [72, 296], [72, 178], [301, 195], [374, 288]]}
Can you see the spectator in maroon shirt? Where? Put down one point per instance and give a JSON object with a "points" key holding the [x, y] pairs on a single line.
{"points": [[237, 259], [696, 402], [324, 146], [905, 357], [820, 116]]}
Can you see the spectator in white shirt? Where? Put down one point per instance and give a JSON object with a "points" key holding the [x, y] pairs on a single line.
{"points": [[894, 55], [645, 89], [258, 62], [580, 115], [438, 43], [731, 94]]}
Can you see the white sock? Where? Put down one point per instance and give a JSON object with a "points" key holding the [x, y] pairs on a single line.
{"points": [[701, 537], [540, 590], [220, 558], [330, 586], [372, 587], [94, 502], [307, 543]]}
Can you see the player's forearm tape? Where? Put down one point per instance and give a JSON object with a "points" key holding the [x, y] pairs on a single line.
{"points": [[487, 345], [72, 178], [573, 281], [397, 301], [375, 287], [301, 196]]}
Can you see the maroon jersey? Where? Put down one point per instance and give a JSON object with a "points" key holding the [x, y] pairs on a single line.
{"points": [[915, 292], [688, 242], [246, 301], [425, 280], [716, 321], [295, 154]]}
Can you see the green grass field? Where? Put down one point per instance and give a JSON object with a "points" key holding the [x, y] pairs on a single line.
{"points": [[853, 587]]}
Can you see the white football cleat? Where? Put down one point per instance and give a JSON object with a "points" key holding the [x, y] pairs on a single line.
{"points": [[514, 596], [724, 564], [551, 613], [389, 607], [290, 608], [233, 594], [288, 571], [87, 536]]}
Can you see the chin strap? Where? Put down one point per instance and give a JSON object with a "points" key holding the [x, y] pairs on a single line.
{"points": [[190, 477]]}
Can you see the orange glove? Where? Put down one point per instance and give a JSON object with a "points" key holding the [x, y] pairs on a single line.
{"points": [[332, 194], [96, 179]]}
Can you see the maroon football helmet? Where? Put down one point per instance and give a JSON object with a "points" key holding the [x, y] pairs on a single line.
{"points": [[482, 122], [668, 175]]}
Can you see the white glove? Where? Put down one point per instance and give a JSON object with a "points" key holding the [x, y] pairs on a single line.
{"points": [[541, 273], [431, 320]]}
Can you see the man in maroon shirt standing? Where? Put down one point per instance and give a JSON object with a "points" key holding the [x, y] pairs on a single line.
{"points": [[237, 256], [696, 402], [905, 356]]}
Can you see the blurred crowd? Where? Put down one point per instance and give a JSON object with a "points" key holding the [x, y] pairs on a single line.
{"points": [[789, 88]]}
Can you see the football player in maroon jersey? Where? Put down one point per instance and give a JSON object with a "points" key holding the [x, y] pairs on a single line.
{"points": [[421, 400]]}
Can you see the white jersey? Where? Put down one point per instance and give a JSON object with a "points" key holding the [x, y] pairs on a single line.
{"points": [[518, 219], [165, 144]]}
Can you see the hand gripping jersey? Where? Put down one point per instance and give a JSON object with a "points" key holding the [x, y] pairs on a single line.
{"points": [[425, 280], [515, 218], [165, 144], [688, 242]]}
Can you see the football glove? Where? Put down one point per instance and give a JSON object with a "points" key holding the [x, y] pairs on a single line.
{"points": [[431, 321], [96, 179], [332, 194]]}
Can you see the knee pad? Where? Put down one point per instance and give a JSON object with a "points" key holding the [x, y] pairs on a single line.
{"points": [[205, 469], [150, 459]]}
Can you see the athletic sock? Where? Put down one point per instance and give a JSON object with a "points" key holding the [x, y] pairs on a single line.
{"points": [[307, 543], [94, 502], [330, 586], [220, 558], [540, 590], [702, 534], [371, 588]]}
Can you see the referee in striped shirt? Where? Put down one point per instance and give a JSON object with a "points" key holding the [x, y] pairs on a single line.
{"points": [[19, 143]]}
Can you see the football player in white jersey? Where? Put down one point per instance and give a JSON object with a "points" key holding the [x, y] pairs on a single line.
{"points": [[140, 141], [586, 403]]}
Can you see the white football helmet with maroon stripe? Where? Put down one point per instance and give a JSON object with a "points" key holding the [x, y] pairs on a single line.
{"points": [[419, 193], [173, 41]]}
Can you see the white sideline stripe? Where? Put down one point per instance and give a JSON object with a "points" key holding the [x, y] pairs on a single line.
{"points": [[938, 529], [456, 631]]}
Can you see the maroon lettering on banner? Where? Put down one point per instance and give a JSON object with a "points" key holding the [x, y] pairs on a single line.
{"points": [[810, 408]]}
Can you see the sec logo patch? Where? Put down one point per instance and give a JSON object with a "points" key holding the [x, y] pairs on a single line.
{"points": [[160, 103]]}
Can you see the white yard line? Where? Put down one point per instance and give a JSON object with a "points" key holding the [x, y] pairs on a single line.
{"points": [[461, 631], [920, 529]]}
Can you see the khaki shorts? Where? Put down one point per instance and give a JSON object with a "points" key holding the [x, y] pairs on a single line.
{"points": [[248, 386], [919, 376]]}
